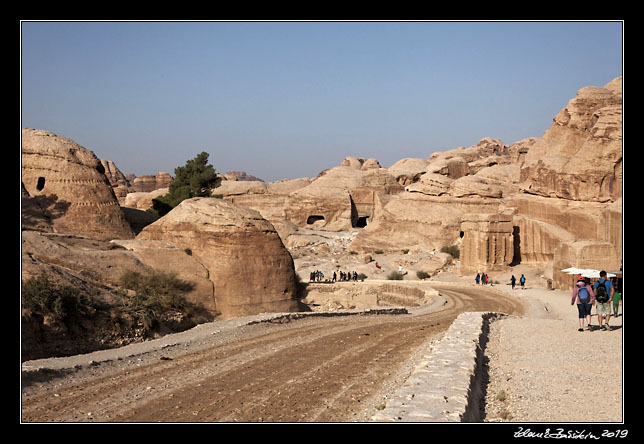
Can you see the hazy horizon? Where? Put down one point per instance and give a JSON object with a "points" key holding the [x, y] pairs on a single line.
{"points": [[290, 99]]}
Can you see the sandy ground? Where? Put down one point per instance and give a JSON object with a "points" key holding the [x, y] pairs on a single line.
{"points": [[541, 369]]}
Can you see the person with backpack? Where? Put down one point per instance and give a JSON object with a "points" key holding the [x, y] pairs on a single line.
{"points": [[603, 295], [522, 282], [583, 294]]}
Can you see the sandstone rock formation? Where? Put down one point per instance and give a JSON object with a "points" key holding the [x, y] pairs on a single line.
{"points": [[580, 156], [151, 182], [240, 176], [68, 183], [572, 183], [342, 197], [247, 263], [114, 175], [408, 171], [439, 192], [268, 198], [143, 200], [553, 201], [117, 179], [562, 187]]}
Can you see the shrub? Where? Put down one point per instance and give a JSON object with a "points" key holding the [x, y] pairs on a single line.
{"points": [[156, 294], [62, 302], [362, 276], [156, 290], [452, 250], [422, 274], [395, 276]]}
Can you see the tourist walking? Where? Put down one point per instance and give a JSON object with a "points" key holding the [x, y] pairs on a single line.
{"points": [[513, 281], [583, 295], [617, 301], [477, 278], [522, 282], [604, 291]]}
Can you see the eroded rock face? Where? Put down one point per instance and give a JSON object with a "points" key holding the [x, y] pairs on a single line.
{"points": [[114, 175], [251, 270], [342, 197], [580, 156], [68, 183]]}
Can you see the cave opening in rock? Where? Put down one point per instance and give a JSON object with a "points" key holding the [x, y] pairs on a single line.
{"points": [[313, 219], [361, 222], [41, 183]]}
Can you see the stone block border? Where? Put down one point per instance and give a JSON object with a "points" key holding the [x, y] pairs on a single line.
{"points": [[446, 385]]}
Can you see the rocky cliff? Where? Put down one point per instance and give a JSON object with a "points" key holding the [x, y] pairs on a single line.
{"points": [[580, 156]]}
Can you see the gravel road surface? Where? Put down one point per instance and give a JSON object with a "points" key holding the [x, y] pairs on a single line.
{"points": [[333, 369]]}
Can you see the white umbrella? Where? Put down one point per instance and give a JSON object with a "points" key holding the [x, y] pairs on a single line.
{"points": [[573, 270], [594, 274], [585, 272]]}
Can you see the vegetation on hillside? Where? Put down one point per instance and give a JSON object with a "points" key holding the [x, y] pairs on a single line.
{"points": [[195, 179], [453, 250], [154, 294], [153, 298], [60, 302]]}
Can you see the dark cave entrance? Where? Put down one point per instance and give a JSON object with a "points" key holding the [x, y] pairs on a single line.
{"points": [[361, 222], [313, 219]]}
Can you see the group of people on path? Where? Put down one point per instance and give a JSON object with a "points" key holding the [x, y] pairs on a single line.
{"points": [[318, 276], [513, 282], [601, 295], [484, 279], [481, 279]]}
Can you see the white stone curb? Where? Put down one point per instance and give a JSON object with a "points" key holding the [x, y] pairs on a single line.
{"points": [[446, 385]]}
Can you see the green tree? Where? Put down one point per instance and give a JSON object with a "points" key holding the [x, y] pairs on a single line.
{"points": [[195, 179]]}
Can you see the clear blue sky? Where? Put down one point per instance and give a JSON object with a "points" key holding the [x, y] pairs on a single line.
{"points": [[289, 99]]}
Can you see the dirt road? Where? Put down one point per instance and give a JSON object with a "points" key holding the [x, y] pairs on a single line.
{"points": [[335, 369]]}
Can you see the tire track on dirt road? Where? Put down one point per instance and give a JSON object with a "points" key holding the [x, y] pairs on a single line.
{"points": [[316, 369]]}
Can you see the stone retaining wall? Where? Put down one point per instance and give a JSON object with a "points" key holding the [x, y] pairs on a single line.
{"points": [[446, 386]]}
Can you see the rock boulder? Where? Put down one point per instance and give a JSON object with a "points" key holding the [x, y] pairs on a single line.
{"points": [[251, 270]]}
